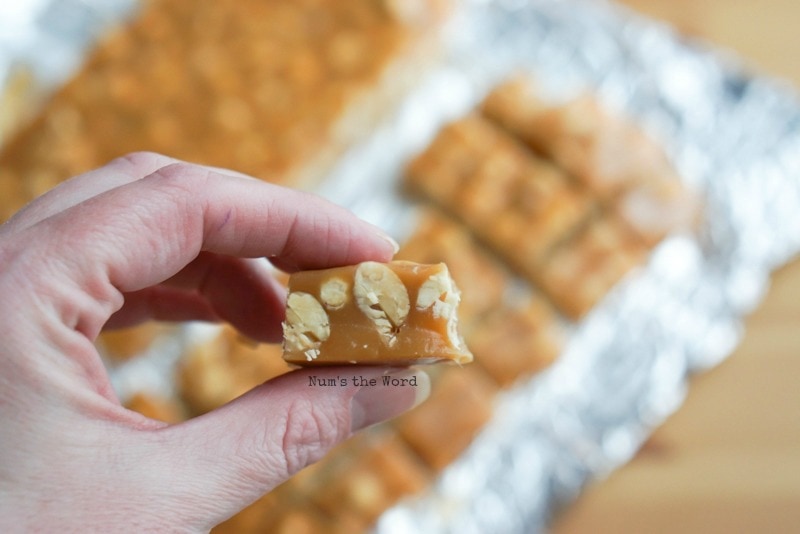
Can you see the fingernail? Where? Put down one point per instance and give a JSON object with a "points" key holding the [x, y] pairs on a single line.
{"points": [[386, 237], [392, 394]]}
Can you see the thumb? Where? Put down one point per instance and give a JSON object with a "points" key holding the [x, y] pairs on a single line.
{"points": [[226, 459]]}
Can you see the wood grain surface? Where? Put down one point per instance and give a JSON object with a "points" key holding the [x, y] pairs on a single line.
{"points": [[729, 460]]}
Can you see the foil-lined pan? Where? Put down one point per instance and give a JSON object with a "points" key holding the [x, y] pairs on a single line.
{"points": [[734, 136]]}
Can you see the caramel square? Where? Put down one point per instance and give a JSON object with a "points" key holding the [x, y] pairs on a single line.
{"points": [[396, 313], [376, 473], [607, 152], [519, 203], [276, 90], [582, 270], [514, 343], [442, 427], [217, 371], [475, 270]]}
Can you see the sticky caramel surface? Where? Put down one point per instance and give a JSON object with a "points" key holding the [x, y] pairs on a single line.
{"points": [[272, 89], [376, 314]]}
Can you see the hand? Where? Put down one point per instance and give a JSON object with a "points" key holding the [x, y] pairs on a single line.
{"points": [[150, 237]]}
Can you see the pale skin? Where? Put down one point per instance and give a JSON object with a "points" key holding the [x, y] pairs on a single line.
{"points": [[150, 237]]}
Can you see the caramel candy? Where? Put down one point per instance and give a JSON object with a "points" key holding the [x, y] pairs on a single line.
{"points": [[585, 268], [377, 471], [396, 313], [442, 427], [285, 88], [518, 202], [253, 519], [223, 368], [606, 152], [513, 343], [164, 409], [480, 276], [277, 512], [126, 343]]}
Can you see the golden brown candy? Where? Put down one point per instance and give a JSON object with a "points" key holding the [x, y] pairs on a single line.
{"points": [[394, 313], [442, 427], [519, 203]]}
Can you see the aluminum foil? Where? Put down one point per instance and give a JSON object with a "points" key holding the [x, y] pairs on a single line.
{"points": [[733, 135]]}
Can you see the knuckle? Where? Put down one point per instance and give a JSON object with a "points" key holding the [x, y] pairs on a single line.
{"points": [[179, 182], [179, 174], [144, 159], [309, 432]]}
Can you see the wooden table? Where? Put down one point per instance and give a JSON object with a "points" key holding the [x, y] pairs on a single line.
{"points": [[729, 460]]}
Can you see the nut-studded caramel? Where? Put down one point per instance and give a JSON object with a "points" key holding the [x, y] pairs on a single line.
{"points": [[373, 313], [284, 89], [519, 203]]}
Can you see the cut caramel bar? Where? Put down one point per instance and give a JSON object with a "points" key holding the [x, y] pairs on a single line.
{"points": [[377, 472], [518, 202], [441, 428], [274, 89], [481, 277], [604, 151], [584, 269], [219, 370], [512, 343], [394, 313]]}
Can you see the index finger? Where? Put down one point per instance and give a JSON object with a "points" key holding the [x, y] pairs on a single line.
{"points": [[143, 232]]}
